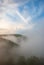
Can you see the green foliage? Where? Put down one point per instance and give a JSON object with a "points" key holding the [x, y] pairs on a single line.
{"points": [[21, 61], [32, 60], [18, 35], [11, 43]]}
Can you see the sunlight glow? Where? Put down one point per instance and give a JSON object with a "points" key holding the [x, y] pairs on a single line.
{"points": [[8, 23], [3, 24]]}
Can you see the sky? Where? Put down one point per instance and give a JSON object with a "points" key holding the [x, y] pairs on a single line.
{"points": [[24, 17], [19, 15]]}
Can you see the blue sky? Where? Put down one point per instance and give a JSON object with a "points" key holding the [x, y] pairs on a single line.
{"points": [[19, 15]]}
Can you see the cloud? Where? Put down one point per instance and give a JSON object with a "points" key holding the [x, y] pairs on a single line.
{"points": [[9, 11], [34, 46], [8, 24], [19, 20], [13, 27], [8, 27], [37, 9], [19, 2]]}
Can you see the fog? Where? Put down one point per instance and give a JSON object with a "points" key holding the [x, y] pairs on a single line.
{"points": [[34, 45]]}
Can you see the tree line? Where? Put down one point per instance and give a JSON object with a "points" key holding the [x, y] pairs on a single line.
{"points": [[33, 60]]}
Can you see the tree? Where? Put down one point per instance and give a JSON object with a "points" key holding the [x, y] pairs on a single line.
{"points": [[33, 61], [41, 61], [10, 45], [21, 60]]}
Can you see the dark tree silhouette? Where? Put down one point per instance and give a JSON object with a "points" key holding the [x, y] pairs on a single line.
{"points": [[21, 60], [33, 60]]}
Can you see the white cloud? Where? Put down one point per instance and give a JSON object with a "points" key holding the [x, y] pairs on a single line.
{"points": [[37, 10], [12, 27], [6, 23]]}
